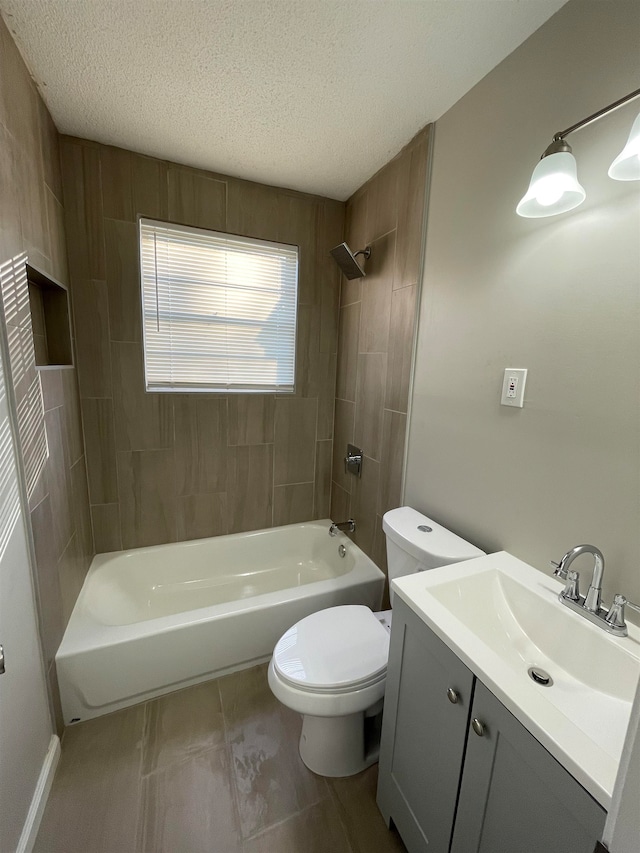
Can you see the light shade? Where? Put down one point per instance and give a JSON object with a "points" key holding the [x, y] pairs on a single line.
{"points": [[626, 166], [554, 187]]}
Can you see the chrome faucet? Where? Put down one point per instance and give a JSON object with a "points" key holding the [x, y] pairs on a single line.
{"points": [[593, 598], [349, 526], [590, 605]]}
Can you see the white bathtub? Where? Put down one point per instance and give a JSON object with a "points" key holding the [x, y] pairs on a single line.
{"points": [[152, 620]]}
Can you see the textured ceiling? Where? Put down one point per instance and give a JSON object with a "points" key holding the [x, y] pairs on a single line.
{"points": [[315, 95]]}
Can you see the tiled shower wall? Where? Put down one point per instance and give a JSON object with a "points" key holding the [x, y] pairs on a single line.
{"points": [[32, 228], [375, 346], [169, 467]]}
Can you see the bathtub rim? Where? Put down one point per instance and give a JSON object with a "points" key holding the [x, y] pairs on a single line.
{"points": [[85, 633]]}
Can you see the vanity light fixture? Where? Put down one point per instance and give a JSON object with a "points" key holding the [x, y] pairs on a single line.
{"points": [[554, 186]]}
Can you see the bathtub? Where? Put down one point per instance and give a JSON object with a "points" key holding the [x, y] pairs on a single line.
{"points": [[152, 620]]}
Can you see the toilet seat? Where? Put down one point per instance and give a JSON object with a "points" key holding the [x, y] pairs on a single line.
{"points": [[334, 651]]}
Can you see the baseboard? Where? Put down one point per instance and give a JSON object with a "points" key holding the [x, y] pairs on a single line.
{"points": [[40, 796]]}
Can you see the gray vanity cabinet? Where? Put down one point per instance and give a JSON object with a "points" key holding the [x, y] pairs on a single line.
{"points": [[515, 796], [423, 734], [464, 776]]}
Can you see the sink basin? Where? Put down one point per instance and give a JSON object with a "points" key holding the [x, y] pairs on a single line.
{"points": [[502, 617]]}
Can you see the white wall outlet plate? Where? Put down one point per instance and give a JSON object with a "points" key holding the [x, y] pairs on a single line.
{"points": [[513, 384]]}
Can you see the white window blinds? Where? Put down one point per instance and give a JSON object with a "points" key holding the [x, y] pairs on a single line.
{"points": [[219, 310]]}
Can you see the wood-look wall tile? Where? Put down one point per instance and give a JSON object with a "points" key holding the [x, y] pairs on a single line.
{"points": [[189, 806], [348, 346], [49, 595], [252, 210], [105, 519], [364, 501], [330, 233], [52, 389], [250, 492], [123, 280], [72, 418], [197, 200], [150, 187], [401, 338], [36, 306], [40, 348], [383, 201], [376, 295], [201, 516], [100, 447], [297, 224], [293, 504], [322, 480], [40, 490], [412, 189], [379, 555], [343, 434], [144, 421], [33, 206], [91, 323], [295, 440], [372, 378], [251, 418], [18, 100], [58, 481], [307, 348], [356, 220], [10, 231], [83, 210], [81, 515], [50, 151], [56, 237], [146, 485], [325, 374], [340, 503], [71, 574], [117, 181], [96, 811], [393, 442], [200, 444]]}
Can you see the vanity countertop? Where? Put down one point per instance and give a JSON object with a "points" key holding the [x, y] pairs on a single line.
{"points": [[501, 616]]}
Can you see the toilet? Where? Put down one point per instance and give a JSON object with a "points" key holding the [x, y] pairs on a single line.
{"points": [[331, 666]]}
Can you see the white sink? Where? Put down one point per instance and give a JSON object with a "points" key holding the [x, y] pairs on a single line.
{"points": [[501, 617]]}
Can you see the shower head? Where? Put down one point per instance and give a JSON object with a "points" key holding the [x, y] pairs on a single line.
{"points": [[347, 262]]}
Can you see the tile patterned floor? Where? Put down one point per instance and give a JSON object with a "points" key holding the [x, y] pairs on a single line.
{"points": [[210, 769]]}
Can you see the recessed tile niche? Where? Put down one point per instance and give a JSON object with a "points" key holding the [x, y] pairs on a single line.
{"points": [[49, 304]]}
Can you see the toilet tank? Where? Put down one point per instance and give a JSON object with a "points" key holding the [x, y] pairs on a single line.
{"points": [[416, 543]]}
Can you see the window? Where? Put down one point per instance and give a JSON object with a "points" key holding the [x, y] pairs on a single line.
{"points": [[219, 310]]}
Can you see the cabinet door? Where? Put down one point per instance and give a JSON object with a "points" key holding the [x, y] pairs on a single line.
{"points": [[515, 796], [423, 734]]}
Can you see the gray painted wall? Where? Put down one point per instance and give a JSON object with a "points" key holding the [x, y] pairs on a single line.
{"points": [[559, 296]]}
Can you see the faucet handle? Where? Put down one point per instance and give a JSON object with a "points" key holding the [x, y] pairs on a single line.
{"points": [[615, 614], [559, 571], [571, 590]]}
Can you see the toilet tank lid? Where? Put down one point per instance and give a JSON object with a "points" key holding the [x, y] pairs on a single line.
{"points": [[403, 526]]}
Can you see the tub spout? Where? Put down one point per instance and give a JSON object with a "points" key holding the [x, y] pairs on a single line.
{"points": [[349, 526]]}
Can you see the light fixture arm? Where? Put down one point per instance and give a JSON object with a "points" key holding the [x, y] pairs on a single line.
{"points": [[558, 137]]}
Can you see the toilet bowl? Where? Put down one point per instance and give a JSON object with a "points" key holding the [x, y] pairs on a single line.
{"points": [[331, 666]]}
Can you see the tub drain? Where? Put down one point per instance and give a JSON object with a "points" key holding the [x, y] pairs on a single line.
{"points": [[540, 676]]}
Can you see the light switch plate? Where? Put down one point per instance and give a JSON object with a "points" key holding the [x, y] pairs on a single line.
{"points": [[515, 379]]}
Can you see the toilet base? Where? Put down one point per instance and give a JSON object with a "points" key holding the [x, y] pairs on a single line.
{"points": [[340, 746]]}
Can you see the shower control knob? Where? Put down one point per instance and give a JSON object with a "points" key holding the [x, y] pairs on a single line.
{"points": [[478, 727], [452, 696]]}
